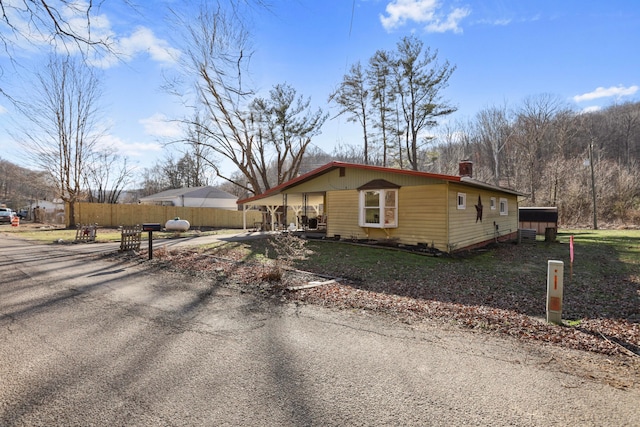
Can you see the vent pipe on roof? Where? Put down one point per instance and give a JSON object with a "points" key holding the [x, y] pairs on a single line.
{"points": [[466, 168]]}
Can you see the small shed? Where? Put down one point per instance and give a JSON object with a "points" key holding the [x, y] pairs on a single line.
{"points": [[538, 218], [193, 197]]}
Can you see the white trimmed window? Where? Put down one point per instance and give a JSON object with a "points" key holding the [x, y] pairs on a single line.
{"points": [[462, 201], [504, 207], [379, 208], [493, 203]]}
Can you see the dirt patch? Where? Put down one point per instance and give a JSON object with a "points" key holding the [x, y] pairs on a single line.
{"points": [[31, 226]]}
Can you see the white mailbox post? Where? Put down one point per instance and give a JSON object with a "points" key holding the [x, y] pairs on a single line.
{"points": [[555, 274]]}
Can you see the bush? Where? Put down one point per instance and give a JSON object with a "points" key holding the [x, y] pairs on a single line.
{"points": [[288, 248]]}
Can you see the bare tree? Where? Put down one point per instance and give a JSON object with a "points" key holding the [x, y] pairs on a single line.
{"points": [[314, 157], [197, 152], [494, 131], [347, 153], [564, 128], [590, 124], [382, 99], [106, 175], [533, 134], [352, 96], [51, 20], [63, 116], [283, 125], [217, 52], [172, 173], [233, 124], [153, 181], [8, 176], [420, 81], [454, 144], [622, 127]]}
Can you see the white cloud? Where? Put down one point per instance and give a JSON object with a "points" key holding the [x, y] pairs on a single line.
{"points": [[450, 23], [601, 92], [424, 12], [591, 109], [3, 110], [402, 10], [159, 125], [496, 22], [129, 149], [143, 40]]}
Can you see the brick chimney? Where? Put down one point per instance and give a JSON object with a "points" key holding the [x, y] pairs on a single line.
{"points": [[466, 168]]}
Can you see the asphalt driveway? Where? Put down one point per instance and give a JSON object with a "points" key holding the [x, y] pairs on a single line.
{"points": [[93, 341]]}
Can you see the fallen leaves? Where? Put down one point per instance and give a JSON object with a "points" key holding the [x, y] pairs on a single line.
{"points": [[471, 295], [622, 336]]}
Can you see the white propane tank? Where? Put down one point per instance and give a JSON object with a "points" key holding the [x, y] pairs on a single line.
{"points": [[177, 224]]}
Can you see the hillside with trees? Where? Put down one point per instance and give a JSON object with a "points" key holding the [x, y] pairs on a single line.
{"points": [[20, 187], [557, 156]]}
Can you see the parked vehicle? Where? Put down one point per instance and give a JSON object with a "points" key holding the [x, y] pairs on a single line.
{"points": [[6, 215]]}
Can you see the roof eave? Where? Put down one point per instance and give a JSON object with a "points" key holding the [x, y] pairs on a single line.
{"points": [[475, 183], [334, 165]]}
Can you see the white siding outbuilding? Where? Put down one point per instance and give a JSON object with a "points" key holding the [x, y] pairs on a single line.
{"points": [[193, 197]]}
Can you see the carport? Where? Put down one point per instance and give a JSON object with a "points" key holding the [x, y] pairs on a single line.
{"points": [[280, 209]]}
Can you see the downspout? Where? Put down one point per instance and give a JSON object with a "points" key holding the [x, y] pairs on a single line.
{"points": [[517, 213], [446, 198]]}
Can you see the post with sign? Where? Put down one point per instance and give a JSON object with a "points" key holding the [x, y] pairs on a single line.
{"points": [[555, 273]]}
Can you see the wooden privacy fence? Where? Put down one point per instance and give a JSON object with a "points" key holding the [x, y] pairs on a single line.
{"points": [[110, 215]]}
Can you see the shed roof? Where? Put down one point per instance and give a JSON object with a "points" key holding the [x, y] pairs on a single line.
{"points": [[204, 192], [538, 214]]}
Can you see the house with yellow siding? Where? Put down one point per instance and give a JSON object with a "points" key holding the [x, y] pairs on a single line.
{"points": [[362, 202]]}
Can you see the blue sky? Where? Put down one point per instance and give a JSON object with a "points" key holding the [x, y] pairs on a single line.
{"points": [[586, 52]]}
